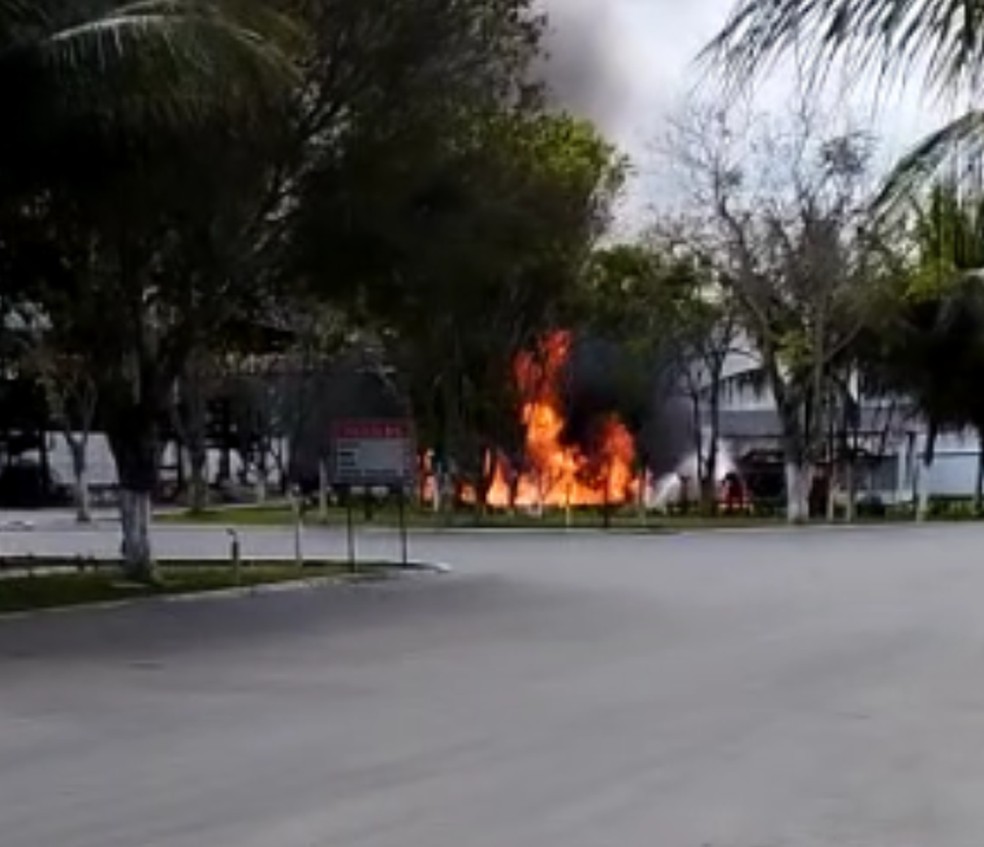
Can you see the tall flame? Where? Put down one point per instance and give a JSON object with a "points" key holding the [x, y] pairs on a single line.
{"points": [[555, 473]]}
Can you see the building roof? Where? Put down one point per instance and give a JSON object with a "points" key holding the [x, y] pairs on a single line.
{"points": [[763, 423]]}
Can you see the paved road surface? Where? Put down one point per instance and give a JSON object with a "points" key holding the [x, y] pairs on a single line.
{"points": [[734, 690]]}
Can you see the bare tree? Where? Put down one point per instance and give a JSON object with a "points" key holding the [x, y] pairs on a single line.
{"points": [[193, 390], [713, 341], [71, 396], [781, 210]]}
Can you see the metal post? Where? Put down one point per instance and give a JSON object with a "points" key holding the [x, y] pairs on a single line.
{"points": [[350, 527], [404, 544], [322, 491], [606, 506], [235, 556], [298, 525]]}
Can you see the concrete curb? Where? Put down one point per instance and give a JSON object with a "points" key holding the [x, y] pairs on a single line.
{"points": [[240, 592], [17, 526]]}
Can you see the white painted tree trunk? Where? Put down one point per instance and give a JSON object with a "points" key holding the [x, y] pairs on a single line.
{"points": [[80, 469], [138, 558], [922, 488], [799, 479], [261, 486], [850, 483], [979, 481]]}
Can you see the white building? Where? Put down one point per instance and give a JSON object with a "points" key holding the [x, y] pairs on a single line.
{"points": [[890, 432]]}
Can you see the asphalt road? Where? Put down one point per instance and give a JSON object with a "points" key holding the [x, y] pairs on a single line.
{"points": [[735, 690]]}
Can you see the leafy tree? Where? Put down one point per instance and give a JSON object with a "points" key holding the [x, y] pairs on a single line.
{"points": [[113, 64], [72, 395], [659, 302], [462, 248], [784, 213], [927, 337], [710, 336], [182, 164], [107, 189]]}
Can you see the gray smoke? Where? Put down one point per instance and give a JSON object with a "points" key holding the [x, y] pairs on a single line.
{"points": [[595, 68], [584, 69]]}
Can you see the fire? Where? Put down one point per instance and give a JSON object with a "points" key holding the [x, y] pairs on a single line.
{"points": [[556, 474]]}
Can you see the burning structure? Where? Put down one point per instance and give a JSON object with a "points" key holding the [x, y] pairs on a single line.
{"points": [[555, 470], [594, 433]]}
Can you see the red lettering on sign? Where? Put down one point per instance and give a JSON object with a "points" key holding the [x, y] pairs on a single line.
{"points": [[371, 429]]}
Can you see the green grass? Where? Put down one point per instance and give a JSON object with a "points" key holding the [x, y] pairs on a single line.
{"points": [[38, 586], [236, 516], [388, 516], [626, 519]]}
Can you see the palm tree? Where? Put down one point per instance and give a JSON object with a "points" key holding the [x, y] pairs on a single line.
{"points": [[927, 342], [130, 61], [109, 77], [941, 39]]}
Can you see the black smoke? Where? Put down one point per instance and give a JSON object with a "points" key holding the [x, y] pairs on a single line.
{"points": [[603, 379]]}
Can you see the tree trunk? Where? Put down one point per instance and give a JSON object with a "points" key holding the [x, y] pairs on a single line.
{"points": [[922, 500], [323, 490], [851, 484], [182, 463], [44, 455], [831, 505], [138, 558], [486, 476], [192, 422], [198, 479], [710, 488], [80, 469], [279, 454], [133, 441], [437, 490], [705, 486], [923, 474], [979, 482], [799, 480]]}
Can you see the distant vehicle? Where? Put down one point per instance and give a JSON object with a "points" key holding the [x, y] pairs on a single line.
{"points": [[26, 485], [763, 476]]}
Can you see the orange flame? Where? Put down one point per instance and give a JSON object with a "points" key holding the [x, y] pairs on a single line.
{"points": [[558, 474]]}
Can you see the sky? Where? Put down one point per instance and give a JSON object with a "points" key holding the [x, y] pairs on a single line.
{"points": [[629, 64]]}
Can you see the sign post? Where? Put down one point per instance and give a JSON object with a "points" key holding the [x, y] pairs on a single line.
{"points": [[350, 531], [322, 490], [298, 505], [373, 453], [404, 552]]}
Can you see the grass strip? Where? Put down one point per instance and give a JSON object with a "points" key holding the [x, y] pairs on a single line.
{"points": [[44, 584]]}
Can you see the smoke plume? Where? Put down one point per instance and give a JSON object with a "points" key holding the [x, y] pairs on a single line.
{"points": [[601, 380], [586, 68]]}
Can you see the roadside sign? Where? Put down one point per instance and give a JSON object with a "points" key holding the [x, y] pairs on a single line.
{"points": [[372, 453]]}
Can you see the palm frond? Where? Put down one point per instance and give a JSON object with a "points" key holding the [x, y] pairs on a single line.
{"points": [[165, 55], [954, 155], [15, 14], [943, 39]]}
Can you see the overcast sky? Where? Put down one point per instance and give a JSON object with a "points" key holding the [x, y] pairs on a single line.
{"points": [[629, 63]]}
